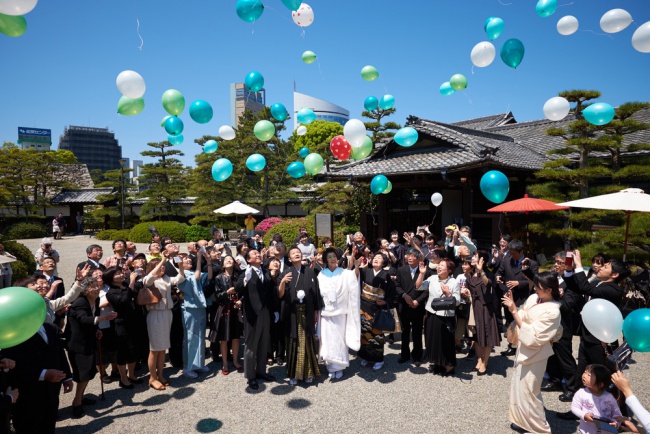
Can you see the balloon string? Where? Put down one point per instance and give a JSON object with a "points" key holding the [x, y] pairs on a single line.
{"points": [[469, 100], [473, 69], [137, 30], [320, 70], [302, 34], [504, 4], [599, 34], [568, 4], [434, 217], [281, 15], [383, 84]]}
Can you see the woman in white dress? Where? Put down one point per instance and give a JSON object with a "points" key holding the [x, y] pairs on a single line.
{"points": [[340, 323]]}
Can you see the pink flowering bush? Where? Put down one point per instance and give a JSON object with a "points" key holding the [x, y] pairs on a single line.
{"points": [[268, 223]]}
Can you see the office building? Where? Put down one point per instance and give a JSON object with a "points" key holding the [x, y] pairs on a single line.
{"points": [[34, 138], [242, 99], [97, 148], [324, 110]]}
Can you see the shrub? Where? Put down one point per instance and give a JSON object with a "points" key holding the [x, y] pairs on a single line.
{"points": [[21, 231], [266, 224], [197, 232], [288, 229], [25, 265], [105, 234], [174, 230], [113, 234]]}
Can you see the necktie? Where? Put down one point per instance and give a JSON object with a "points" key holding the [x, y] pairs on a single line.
{"points": [[259, 274]]}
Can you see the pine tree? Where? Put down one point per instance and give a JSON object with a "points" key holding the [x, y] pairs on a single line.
{"points": [[380, 132], [317, 139]]}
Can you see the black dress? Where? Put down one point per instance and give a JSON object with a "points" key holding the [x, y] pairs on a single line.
{"points": [[227, 323], [486, 332], [126, 324]]}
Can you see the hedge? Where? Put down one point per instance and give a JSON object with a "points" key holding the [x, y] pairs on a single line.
{"points": [[175, 230], [113, 234], [196, 233], [21, 231], [288, 229], [25, 265]]}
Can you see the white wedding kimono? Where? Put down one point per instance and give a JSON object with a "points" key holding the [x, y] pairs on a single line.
{"points": [[340, 322]]}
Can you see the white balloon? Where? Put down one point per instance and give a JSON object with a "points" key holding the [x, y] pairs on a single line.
{"points": [[436, 199], [556, 108], [567, 25], [641, 38], [131, 84], [302, 130], [304, 16], [355, 132], [17, 7], [603, 319], [615, 20], [226, 132], [482, 54]]}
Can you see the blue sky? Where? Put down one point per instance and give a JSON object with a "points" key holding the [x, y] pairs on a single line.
{"points": [[62, 70]]}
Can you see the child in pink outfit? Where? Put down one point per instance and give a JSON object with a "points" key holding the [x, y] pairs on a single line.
{"points": [[594, 401]]}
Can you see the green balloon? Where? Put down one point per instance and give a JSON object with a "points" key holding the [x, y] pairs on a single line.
{"points": [[12, 25], [313, 163], [369, 73], [308, 57], [362, 151], [458, 81], [22, 312], [264, 130], [389, 188], [130, 106], [173, 101], [162, 124]]}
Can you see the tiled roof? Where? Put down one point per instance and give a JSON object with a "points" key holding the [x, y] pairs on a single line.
{"points": [[180, 201], [84, 195], [487, 121]]}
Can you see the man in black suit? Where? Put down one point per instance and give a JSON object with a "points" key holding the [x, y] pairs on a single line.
{"points": [[41, 369], [278, 340], [411, 305], [94, 252], [510, 274], [260, 297]]}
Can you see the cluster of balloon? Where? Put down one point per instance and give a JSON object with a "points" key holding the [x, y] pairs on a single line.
{"points": [[175, 140], [296, 169], [303, 16], [603, 319], [221, 169], [641, 38], [482, 54], [264, 130], [369, 73], [301, 130], [599, 113], [306, 116], [512, 52], [446, 89], [495, 186], [371, 103], [256, 162], [340, 148], [132, 87], [406, 136], [567, 25], [249, 10], [201, 111], [362, 151], [304, 151], [22, 312], [493, 27], [387, 102], [355, 132], [436, 199], [254, 81], [173, 126], [279, 111], [615, 20], [210, 147], [546, 8], [313, 163], [379, 184], [226, 132], [292, 5], [12, 22], [458, 82], [636, 329], [309, 57], [556, 108]]}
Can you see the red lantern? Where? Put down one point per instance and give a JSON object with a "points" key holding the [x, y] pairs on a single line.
{"points": [[340, 148]]}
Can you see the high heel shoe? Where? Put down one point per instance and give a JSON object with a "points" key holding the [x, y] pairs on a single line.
{"points": [[481, 373], [239, 368]]}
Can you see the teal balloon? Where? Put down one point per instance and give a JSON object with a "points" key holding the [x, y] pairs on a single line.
{"points": [[210, 146], [378, 184], [303, 152], [387, 102], [493, 27], [221, 169], [296, 169], [512, 52], [306, 116], [279, 111], [446, 89], [495, 186], [22, 313], [254, 81], [636, 330], [406, 136], [546, 8], [175, 140], [293, 5], [389, 188], [173, 126], [130, 106], [249, 10], [201, 111], [371, 103], [256, 162], [599, 113]]}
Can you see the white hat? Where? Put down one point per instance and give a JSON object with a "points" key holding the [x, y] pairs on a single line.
{"points": [[46, 240]]}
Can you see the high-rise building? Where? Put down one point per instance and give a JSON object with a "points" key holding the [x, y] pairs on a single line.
{"points": [[324, 110], [97, 148], [242, 99]]}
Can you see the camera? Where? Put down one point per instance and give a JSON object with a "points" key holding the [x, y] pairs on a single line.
{"points": [[568, 261], [617, 361]]}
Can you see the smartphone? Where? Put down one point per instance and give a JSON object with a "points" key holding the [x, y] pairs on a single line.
{"points": [[568, 261], [138, 272], [202, 249], [177, 259]]}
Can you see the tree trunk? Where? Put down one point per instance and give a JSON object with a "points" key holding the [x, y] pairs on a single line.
{"points": [[583, 183]]}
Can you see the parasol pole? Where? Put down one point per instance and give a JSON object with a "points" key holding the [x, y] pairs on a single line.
{"points": [[627, 231]]}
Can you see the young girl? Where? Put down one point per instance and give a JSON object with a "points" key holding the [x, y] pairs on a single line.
{"points": [[594, 400]]}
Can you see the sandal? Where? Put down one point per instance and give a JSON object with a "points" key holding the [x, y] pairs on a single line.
{"points": [[164, 382], [157, 385]]}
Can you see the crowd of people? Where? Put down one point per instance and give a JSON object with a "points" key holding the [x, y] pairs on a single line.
{"points": [[305, 306]]}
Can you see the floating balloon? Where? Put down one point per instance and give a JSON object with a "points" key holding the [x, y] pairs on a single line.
{"points": [[174, 126], [249, 10], [22, 313], [493, 27], [546, 8], [201, 111], [482, 54], [308, 57], [173, 102], [304, 16], [306, 116], [406, 136], [256, 162], [254, 81], [221, 169], [512, 52], [599, 113], [371, 103], [130, 106], [641, 38], [302, 130], [16, 7], [446, 89], [355, 132], [436, 199], [303, 152], [603, 319], [378, 184], [636, 330], [556, 108], [279, 111], [362, 151], [615, 20], [458, 81], [369, 73], [313, 163], [387, 102], [567, 25], [162, 123], [210, 146], [495, 186], [340, 148], [175, 140], [226, 132], [389, 188], [296, 169], [13, 26], [130, 84], [264, 130], [293, 5]]}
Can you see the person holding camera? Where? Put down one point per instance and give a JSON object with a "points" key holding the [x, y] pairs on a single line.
{"points": [[619, 380], [119, 258], [46, 251]]}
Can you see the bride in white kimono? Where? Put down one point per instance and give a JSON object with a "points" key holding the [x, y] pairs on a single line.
{"points": [[340, 322]]}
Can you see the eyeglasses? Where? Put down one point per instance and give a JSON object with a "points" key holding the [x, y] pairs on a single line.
{"points": [[559, 262]]}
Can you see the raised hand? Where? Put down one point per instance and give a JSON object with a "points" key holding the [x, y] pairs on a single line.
{"points": [[422, 267]]}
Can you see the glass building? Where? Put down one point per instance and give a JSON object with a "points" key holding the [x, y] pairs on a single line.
{"points": [[324, 110]]}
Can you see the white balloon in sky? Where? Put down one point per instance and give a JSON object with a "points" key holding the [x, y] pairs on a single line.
{"points": [[567, 25], [482, 54], [302, 130], [131, 84], [226, 132], [615, 20], [355, 132], [641, 38], [556, 108], [17, 7], [304, 16]]}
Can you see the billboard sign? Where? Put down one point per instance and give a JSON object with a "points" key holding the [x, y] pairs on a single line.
{"points": [[37, 138]]}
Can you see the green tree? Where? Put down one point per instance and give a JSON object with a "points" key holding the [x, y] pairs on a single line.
{"points": [[111, 211], [349, 199], [381, 132], [317, 138]]}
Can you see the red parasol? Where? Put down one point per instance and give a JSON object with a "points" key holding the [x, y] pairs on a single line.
{"points": [[527, 204]]}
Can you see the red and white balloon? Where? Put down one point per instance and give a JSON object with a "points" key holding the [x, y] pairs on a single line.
{"points": [[340, 148]]}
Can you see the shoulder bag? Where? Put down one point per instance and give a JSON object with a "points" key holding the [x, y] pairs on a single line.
{"points": [[148, 295], [443, 303]]}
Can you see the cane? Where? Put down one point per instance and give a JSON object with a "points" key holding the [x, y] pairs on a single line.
{"points": [[101, 365]]}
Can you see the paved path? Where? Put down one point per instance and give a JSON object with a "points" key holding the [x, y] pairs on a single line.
{"points": [[400, 399]]}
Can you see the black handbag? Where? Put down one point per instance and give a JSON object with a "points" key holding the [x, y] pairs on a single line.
{"points": [[384, 321], [443, 303]]}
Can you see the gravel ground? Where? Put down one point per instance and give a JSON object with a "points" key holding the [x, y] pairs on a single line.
{"points": [[401, 398]]}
